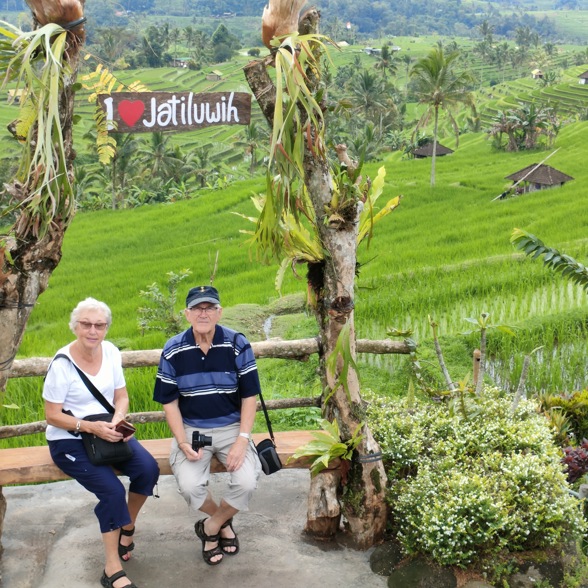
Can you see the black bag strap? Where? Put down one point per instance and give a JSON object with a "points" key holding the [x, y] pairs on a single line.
{"points": [[95, 392], [267, 419]]}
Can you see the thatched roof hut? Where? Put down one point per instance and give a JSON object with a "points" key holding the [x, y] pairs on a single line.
{"points": [[583, 78], [427, 150], [538, 177]]}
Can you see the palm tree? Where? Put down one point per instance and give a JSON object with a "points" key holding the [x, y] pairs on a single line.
{"points": [[159, 157], [252, 138], [368, 95], [386, 62], [486, 30], [501, 55], [174, 37], [203, 165], [113, 42], [440, 87], [407, 60]]}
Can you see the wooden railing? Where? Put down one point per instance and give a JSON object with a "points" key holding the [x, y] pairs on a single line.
{"points": [[299, 349]]}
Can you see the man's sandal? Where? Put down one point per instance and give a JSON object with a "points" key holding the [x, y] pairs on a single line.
{"points": [[208, 554], [225, 542], [125, 549], [108, 581]]}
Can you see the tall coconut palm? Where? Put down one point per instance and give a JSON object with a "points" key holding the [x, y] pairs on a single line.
{"points": [[159, 157], [440, 87], [252, 138], [368, 94], [386, 63]]}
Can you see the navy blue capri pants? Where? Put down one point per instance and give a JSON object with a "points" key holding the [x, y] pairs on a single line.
{"points": [[112, 510]]}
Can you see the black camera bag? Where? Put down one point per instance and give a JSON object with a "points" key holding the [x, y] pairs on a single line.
{"points": [[266, 449]]}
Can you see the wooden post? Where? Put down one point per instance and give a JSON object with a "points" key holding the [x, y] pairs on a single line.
{"points": [[477, 355]]}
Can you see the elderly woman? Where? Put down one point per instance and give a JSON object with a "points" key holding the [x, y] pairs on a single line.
{"points": [[67, 401]]}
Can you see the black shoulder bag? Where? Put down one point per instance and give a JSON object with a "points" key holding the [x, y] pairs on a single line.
{"points": [[100, 451], [266, 449]]}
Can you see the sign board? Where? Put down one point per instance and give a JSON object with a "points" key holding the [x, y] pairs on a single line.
{"points": [[147, 112]]}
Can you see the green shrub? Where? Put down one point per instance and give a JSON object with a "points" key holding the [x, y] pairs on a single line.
{"points": [[470, 483]]}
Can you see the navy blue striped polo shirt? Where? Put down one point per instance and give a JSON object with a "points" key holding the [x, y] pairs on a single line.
{"points": [[209, 387]]}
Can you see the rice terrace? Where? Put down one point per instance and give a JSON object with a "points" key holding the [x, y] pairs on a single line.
{"points": [[472, 259]]}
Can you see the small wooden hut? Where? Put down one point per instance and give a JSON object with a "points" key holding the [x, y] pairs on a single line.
{"points": [[427, 150], [583, 78], [214, 75], [538, 177]]}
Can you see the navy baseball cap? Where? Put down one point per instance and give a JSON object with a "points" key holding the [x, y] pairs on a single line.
{"points": [[202, 294]]}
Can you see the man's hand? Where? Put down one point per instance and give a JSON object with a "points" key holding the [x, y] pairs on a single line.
{"points": [[190, 454], [237, 453]]}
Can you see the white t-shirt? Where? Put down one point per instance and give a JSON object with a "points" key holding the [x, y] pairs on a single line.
{"points": [[63, 385]]}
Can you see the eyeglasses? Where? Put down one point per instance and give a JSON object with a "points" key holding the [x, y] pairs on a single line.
{"points": [[87, 326], [204, 309]]}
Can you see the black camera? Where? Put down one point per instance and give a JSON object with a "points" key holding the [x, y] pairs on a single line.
{"points": [[199, 441]]}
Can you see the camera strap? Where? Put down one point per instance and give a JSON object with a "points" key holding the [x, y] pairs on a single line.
{"points": [[267, 419]]}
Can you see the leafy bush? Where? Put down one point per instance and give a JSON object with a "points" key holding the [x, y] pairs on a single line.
{"points": [[572, 406], [470, 483]]}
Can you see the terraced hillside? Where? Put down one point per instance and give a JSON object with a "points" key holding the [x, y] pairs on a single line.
{"points": [[569, 97]]}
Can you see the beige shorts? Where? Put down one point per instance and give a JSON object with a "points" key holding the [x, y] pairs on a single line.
{"points": [[193, 476]]}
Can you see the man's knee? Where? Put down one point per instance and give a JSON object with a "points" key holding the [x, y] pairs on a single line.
{"points": [[194, 494]]}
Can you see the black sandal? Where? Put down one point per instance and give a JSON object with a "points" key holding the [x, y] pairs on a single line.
{"points": [[125, 549], [225, 542], [208, 554], [108, 581]]}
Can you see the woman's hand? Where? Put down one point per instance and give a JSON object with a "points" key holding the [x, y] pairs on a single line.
{"points": [[102, 429]]}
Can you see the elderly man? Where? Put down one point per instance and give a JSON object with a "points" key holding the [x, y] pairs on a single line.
{"points": [[207, 382]]}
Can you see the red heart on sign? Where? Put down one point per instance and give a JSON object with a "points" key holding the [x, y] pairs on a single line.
{"points": [[131, 111]]}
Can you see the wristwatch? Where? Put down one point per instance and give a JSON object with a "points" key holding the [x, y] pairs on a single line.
{"points": [[246, 435]]}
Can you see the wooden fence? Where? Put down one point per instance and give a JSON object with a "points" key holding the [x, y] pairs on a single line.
{"points": [[298, 349]]}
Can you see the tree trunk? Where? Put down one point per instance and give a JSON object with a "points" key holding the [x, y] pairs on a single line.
{"points": [[363, 505], [482, 370], [21, 284], [26, 262], [434, 156], [324, 511]]}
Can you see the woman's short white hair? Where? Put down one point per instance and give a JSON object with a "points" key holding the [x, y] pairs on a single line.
{"points": [[89, 304]]}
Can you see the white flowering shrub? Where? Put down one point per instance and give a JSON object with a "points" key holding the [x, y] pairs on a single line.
{"points": [[463, 487]]}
